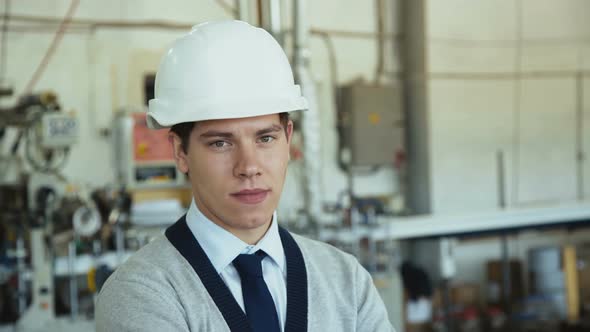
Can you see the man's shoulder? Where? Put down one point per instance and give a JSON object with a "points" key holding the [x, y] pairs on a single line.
{"points": [[142, 293], [152, 261]]}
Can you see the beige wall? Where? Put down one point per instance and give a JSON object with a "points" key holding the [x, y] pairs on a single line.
{"points": [[97, 72], [503, 77]]}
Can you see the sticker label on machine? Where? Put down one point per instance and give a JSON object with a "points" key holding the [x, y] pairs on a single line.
{"points": [[149, 145]]}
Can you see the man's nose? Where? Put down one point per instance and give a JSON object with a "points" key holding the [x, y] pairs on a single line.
{"points": [[247, 164]]}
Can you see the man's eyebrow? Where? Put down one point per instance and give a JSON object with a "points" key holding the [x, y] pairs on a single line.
{"points": [[214, 133], [271, 129], [224, 134]]}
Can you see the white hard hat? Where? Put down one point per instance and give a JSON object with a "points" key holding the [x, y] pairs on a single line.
{"points": [[222, 70]]}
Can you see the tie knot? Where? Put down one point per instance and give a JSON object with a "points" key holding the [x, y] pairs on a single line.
{"points": [[249, 265]]}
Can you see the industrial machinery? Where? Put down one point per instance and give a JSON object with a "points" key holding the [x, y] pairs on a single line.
{"points": [[145, 167], [370, 116], [37, 207], [143, 157]]}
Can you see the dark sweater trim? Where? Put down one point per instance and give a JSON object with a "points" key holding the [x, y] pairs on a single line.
{"points": [[297, 310], [297, 307], [183, 240]]}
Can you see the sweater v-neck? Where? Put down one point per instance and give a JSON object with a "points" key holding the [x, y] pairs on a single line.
{"points": [[182, 239]]}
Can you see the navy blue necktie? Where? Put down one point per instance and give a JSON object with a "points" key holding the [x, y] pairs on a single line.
{"points": [[260, 307]]}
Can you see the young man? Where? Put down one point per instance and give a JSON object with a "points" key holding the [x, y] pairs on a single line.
{"points": [[225, 90]]}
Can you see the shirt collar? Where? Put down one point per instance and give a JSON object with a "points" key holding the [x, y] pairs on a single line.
{"points": [[222, 247]]}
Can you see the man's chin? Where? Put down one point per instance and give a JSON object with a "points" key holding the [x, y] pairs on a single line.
{"points": [[253, 221]]}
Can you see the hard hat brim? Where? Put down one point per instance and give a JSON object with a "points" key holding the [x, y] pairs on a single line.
{"points": [[159, 115]]}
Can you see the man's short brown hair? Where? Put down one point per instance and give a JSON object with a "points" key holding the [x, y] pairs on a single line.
{"points": [[183, 130]]}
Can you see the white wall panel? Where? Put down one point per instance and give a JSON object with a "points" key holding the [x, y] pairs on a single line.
{"points": [[471, 36], [471, 122], [453, 58], [585, 56], [547, 140], [555, 58], [346, 14], [467, 19], [480, 39], [553, 20]]}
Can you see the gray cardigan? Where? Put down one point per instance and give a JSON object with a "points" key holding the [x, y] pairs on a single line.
{"points": [[158, 290]]}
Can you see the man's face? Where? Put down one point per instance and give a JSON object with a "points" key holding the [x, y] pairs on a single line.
{"points": [[237, 168]]}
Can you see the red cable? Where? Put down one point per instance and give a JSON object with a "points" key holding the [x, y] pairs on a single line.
{"points": [[58, 36]]}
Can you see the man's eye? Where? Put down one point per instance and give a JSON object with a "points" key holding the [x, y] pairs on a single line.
{"points": [[218, 144], [266, 139]]}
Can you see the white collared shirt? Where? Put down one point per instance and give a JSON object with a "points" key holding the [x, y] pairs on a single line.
{"points": [[222, 247]]}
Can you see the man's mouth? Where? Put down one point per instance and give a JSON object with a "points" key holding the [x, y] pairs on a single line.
{"points": [[251, 196]]}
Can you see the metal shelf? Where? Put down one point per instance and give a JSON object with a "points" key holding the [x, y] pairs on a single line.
{"points": [[425, 226]]}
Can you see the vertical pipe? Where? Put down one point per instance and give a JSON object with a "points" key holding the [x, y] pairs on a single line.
{"points": [[580, 134], [506, 284], [447, 304], [270, 18], [96, 248], [300, 30], [415, 84], [447, 271], [379, 12], [310, 121], [73, 280], [501, 168], [372, 248], [247, 10], [20, 268], [119, 242], [355, 220], [516, 102], [350, 183]]}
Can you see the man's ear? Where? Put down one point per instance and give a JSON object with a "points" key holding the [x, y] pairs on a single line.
{"points": [[180, 156], [289, 133]]}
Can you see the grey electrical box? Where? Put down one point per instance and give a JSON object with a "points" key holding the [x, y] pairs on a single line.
{"points": [[371, 123]]}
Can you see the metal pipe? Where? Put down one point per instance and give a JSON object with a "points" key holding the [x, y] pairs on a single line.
{"points": [[447, 271], [227, 8], [447, 305], [516, 103], [242, 11], [20, 270], [379, 12], [372, 251], [501, 179], [96, 24], [119, 242], [301, 33], [354, 34], [533, 74], [310, 119], [116, 218], [42, 29], [270, 19], [580, 157], [241, 8], [73, 280], [247, 10], [506, 282], [506, 286]]}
